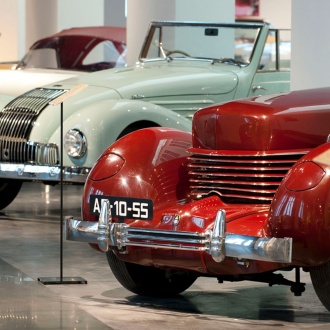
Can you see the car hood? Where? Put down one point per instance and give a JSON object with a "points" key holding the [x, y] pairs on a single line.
{"points": [[17, 82], [286, 121], [163, 79]]}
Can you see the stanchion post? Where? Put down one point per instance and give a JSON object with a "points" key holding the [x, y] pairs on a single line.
{"points": [[61, 279]]}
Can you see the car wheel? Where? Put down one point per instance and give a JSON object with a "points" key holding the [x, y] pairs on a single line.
{"points": [[8, 191], [135, 126], [149, 281], [320, 277]]}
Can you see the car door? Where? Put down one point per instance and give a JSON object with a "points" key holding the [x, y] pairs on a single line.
{"points": [[273, 74]]}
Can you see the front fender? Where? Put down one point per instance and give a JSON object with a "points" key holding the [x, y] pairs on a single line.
{"points": [[5, 99], [103, 122], [301, 208], [149, 163]]}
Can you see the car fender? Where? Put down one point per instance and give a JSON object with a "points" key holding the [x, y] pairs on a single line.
{"points": [[148, 163], [301, 208], [102, 123], [5, 99]]}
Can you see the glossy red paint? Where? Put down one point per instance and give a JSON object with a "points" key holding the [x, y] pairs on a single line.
{"points": [[285, 121], [107, 166], [312, 173], [301, 208], [264, 161], [152, 163]]}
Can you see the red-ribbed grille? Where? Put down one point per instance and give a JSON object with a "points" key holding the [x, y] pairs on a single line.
{"points": [[16, 122], [240, 178]]}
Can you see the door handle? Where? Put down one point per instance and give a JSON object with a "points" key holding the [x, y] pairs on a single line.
{"points": [[257, 88]]}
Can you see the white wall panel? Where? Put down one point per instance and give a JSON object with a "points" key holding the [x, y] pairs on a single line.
{"points": [[114, 12], [74, 13], [310, 49], [40, 21], [278, 12], [139, 15], [206, 10], [10, 28]]}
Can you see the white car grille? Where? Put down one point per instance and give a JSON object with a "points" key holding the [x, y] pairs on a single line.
{"points": [[16, 122]]}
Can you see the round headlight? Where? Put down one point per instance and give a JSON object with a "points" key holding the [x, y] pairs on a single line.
{"points": [[75, 143]]}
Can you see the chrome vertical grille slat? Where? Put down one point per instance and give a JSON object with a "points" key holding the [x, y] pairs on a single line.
{"points": [[16, 122], [249, 177]]}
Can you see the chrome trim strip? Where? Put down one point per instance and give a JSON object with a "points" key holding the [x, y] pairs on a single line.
{"points": [[217, 242], [30, 172], [168, 59]]}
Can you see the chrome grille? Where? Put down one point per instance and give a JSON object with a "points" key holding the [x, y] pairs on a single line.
{"points": [[246, 178], [16, 122]]}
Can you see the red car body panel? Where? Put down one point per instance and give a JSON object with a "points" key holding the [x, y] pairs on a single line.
{"points": [[294, 120], [159, 172], [263, 161], [153, 165], [301, 208]]}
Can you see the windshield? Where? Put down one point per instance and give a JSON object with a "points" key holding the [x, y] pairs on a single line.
{"points": [[201, 42]]}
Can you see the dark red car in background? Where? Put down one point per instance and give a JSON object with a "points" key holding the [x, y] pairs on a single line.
{"points": [[69, 49], [66, 54]]}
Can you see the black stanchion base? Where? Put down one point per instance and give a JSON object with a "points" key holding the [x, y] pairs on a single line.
{"points": [[62, 280]]}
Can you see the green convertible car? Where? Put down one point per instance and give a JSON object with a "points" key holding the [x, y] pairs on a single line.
{"points": [[56, 132]]}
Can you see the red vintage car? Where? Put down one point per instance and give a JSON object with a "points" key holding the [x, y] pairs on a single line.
{"points": [[243, 196]]}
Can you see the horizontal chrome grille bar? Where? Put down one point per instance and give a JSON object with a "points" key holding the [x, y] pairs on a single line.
{"points": [[243, 189], [136, 234], [242, 175], [235, 167], [244, 159], [237, 182]]}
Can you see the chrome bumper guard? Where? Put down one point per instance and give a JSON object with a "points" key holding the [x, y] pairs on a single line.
{"points": [[33, 172], [216, 242]]}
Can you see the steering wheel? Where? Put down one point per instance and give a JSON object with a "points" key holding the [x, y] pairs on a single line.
{"points": [[169, 53]]}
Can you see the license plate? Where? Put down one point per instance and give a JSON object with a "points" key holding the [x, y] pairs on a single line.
{"points": [[123, 207]]}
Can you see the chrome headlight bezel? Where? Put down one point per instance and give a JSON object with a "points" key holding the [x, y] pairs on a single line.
{"points": [[75, 143]]}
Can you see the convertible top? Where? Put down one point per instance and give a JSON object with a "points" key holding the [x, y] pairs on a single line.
{"points": [[74, 44], [114, 33]]}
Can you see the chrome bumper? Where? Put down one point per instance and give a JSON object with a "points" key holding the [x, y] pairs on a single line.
{"points": [[43, 172], [216, 242]]}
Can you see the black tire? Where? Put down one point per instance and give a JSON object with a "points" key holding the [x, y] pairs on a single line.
{"points": [[8, 191], [136, 126], [320, 277], [149, 281]]}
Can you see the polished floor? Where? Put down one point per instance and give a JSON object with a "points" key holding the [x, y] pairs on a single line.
{"points": [[30, 252]]}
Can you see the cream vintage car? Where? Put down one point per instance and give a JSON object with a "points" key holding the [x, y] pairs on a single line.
{"points": [[183, 67]]}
